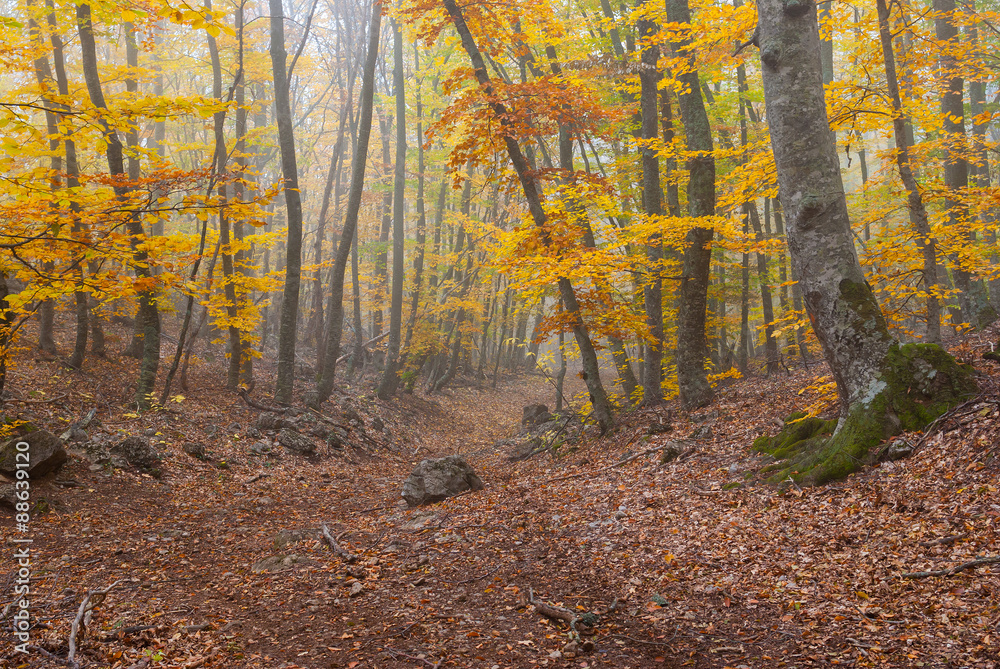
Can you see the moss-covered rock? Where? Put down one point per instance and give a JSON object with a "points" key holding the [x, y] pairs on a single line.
{"points": [[919, 382]]}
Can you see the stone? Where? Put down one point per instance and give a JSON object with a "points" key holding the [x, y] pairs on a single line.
{"points": [[278, 563], [898, 449], [262, 447], [194, 449], [534, 415], [136, 451], [659, 428], [320, 431], [378, 424], [296, 443], [437, 479], [253, 432], [46, 453], [703, 433], [671, 452], [212, 431], [8, 495], [337, 438], [356, 589], [268, 421], [293, 536]]}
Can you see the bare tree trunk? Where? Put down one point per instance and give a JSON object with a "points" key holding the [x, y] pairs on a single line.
{"points": [[293, 205], [390, 377], [347, 238], [917, 211]]}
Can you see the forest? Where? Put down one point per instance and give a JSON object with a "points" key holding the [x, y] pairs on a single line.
{"points": [[302, 242]]}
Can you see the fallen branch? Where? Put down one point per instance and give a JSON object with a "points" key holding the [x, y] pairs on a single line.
{"points": [[48, 401], [972, 564], [604, 469], [348, 557], [399, 653], [567, 616], [91, 601], [944, 540], [253, 404]]}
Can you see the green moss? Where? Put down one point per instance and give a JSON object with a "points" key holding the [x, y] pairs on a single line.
{"points": [[922, 381], [731, 485]]}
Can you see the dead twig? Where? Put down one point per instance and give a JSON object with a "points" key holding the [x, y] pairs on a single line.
{"points": [[971, 564], [604, 469], [91, 601], [399, 653], [48, 401], [348, 557]]}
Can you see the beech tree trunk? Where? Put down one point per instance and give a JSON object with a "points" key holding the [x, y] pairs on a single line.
{"points": [[883, 388], [287, 331], [692, 348], [649, 75]]}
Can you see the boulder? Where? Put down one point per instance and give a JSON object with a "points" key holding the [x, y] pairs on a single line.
{"points": [[438, 479], [535, 415], [45, 454], [296, 443], [270, 421], [136, 451], [8, 495]]}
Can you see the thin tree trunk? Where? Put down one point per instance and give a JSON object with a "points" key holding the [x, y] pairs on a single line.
{"points": [[293, 205], [148, 311], [531, 188], [390, 377], [914, 199], [347, 237]]}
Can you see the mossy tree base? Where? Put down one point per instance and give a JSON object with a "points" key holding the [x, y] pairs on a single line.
{"points": [[918, 384]]}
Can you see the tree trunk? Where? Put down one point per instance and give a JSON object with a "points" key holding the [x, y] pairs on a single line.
{"points": [[649, 75], [324, 387], [883, 388], [914, 199], [531, 189], [148, 311], [972, 298], [692, 350], [293, 205], [390, 377], [72, 181]]}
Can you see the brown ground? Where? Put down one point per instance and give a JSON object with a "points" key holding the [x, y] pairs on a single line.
{"points": [[743, 577]]}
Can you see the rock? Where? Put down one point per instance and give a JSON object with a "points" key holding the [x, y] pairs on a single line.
{"points": [[262, 447], [702, 433], [378, 424], [136, 451], [212, 431], [45, 454], [270, 421], [285, 537], [351, 414], [337, 438], [8, 495], [194, 449], [898, 449], [671, 452], [356, 589], [234, 427], [436, 479], [659, 428], [297, 443], [535, 415], [77, 435], [253, 432], [278, 563]]}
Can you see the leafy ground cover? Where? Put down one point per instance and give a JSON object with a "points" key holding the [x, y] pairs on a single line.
{"points": [[699, 563]]}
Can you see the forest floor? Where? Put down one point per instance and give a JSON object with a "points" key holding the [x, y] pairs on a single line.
{"points": [[706, 567]]}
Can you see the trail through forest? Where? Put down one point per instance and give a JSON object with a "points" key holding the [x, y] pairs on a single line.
{"points": [[221, 562]]}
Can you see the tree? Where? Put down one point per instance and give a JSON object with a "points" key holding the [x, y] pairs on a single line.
{"points": [[390, 376], [293, 206], [883, 387]]}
